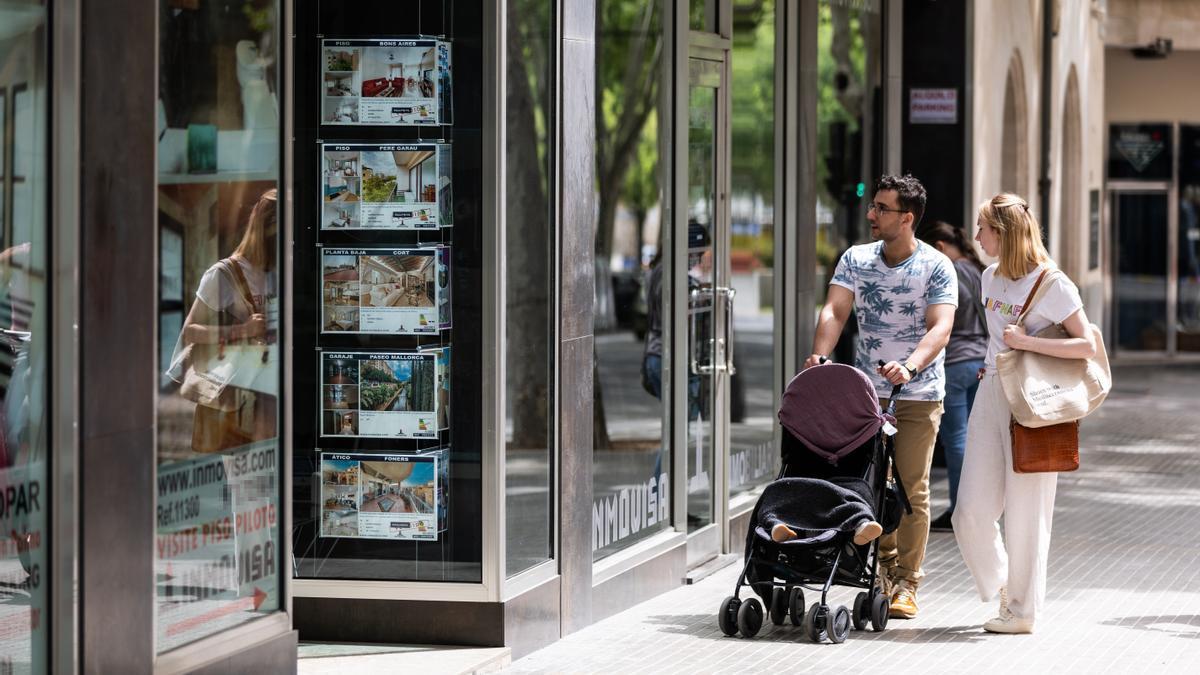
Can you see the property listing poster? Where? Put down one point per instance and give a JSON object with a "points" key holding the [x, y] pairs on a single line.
{"points": [[443, 484], [385, 394], [381, 290], [366, 496], [443, 288], [402, 81], [385, 187]]}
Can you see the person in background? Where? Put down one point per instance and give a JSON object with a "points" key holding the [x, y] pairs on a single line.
{"points": [[964, 353]]}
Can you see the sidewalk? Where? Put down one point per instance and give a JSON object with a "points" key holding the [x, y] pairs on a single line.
{"points": [[1123, 589]]}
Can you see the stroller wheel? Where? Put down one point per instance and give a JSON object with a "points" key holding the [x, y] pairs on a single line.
{"points": [[814, 622], [779, 605], [839, 624], [879, 612], [796, 605], [727, 615], [749, 618], [862, 611]]}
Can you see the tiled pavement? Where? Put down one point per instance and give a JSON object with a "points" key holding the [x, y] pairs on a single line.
{"points": [[1123, 591]]}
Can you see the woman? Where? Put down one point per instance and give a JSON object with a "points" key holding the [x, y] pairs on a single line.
{"points": [[229, 311], [1013, 568], [964, 353]]}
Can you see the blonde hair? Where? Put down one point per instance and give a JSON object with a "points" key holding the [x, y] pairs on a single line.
{"points": [[254, 246], [1020, 235]]}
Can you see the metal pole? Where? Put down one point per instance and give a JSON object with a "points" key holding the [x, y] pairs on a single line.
{"points": [[1044, 109]]}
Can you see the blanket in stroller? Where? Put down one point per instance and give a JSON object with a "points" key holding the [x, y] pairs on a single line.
{"points": [[817, 510]]}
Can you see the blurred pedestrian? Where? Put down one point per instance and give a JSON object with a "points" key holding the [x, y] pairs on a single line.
{"points": [[964, 353]]}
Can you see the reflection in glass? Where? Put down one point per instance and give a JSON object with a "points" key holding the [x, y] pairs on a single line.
{"points": [[702, 357], [631, 466], [1141, 280], [1188, 336], [24, 514], [528, 468], [218, 531], [849, 132], [753, 459], [702, 15]]}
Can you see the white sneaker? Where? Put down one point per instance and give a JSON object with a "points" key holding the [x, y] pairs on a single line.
{"points": [[1009, 624]]}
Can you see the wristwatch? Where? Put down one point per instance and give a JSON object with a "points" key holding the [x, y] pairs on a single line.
{"points": [[912, 370]]}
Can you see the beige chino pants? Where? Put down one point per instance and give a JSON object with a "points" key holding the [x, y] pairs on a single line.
{"points": [[902, 552]]}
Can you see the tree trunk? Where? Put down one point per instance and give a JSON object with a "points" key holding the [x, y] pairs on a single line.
{"points": [[528, 251]]}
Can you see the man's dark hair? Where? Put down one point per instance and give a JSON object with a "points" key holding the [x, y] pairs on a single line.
{"points": [[911, 194]]}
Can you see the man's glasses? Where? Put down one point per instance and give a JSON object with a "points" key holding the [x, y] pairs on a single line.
{"points": [[881, 208]]}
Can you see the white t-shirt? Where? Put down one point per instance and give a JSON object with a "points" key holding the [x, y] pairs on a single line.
{"points": [[1002, 304], [221, 292]]}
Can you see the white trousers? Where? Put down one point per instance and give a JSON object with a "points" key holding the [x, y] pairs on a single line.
{"points": [[988, 489]]}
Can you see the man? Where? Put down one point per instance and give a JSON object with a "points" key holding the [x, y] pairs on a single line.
{"points": [[904, 293]]}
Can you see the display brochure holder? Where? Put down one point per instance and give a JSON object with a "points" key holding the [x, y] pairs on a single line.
{"points": [[386, 412]]}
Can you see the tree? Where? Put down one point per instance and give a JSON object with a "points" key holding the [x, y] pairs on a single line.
{"points": [[528, 218], [628, 74]]}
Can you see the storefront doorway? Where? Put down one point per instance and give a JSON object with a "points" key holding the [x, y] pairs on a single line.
{"points": [[706, 276], [725, 242], [1154, 199]]}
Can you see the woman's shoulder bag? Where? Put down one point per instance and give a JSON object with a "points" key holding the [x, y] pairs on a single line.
{"points": [[1049, 395]]}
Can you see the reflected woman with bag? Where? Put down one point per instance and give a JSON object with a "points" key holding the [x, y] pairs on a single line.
{"points": [[223, 361], [1023, 294]]}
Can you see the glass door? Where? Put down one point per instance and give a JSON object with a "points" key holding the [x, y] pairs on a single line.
{"points": [[1142, 303], [708, 293]]}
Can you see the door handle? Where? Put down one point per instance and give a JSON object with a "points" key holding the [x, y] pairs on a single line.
{"points": [[698, 367], [729, 294]]}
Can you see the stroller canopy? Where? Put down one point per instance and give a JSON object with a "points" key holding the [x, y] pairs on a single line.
{"points": [[831, 409]]}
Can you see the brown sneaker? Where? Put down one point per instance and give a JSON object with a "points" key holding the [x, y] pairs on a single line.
{"points": [[904, 602]]}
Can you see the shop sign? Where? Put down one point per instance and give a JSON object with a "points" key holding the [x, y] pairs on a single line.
{"points": [[624, 514], [933, 106], [1140, 151], [217, 545]]}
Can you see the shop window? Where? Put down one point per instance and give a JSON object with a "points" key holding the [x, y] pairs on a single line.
{"points": [[529, 477], [631, 463], [24, 340], [387, 298], [219, 558], [753, 457], [849, 133]]}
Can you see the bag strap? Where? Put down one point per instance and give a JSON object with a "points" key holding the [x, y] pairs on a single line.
{"points": [[239, 278], [1029, 298]]}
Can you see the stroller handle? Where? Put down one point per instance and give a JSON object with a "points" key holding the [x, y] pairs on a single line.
{"points": [[891, 409]]}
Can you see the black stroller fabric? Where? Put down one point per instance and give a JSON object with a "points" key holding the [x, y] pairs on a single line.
{"points": [[814, 508], [824, 493]]}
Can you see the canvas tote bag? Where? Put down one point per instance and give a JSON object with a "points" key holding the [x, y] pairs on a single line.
{"points": [[1046, 390], [226, 416]]}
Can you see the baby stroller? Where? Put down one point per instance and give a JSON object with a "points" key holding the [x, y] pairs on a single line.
{"points": [[836, 453]]}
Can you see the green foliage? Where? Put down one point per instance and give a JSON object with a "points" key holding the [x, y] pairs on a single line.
{"points": [[374, 372], [375, 396], [752, 118], [378, 188], [629, 47], [262, 19], [752, 114], [830, 107]]}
